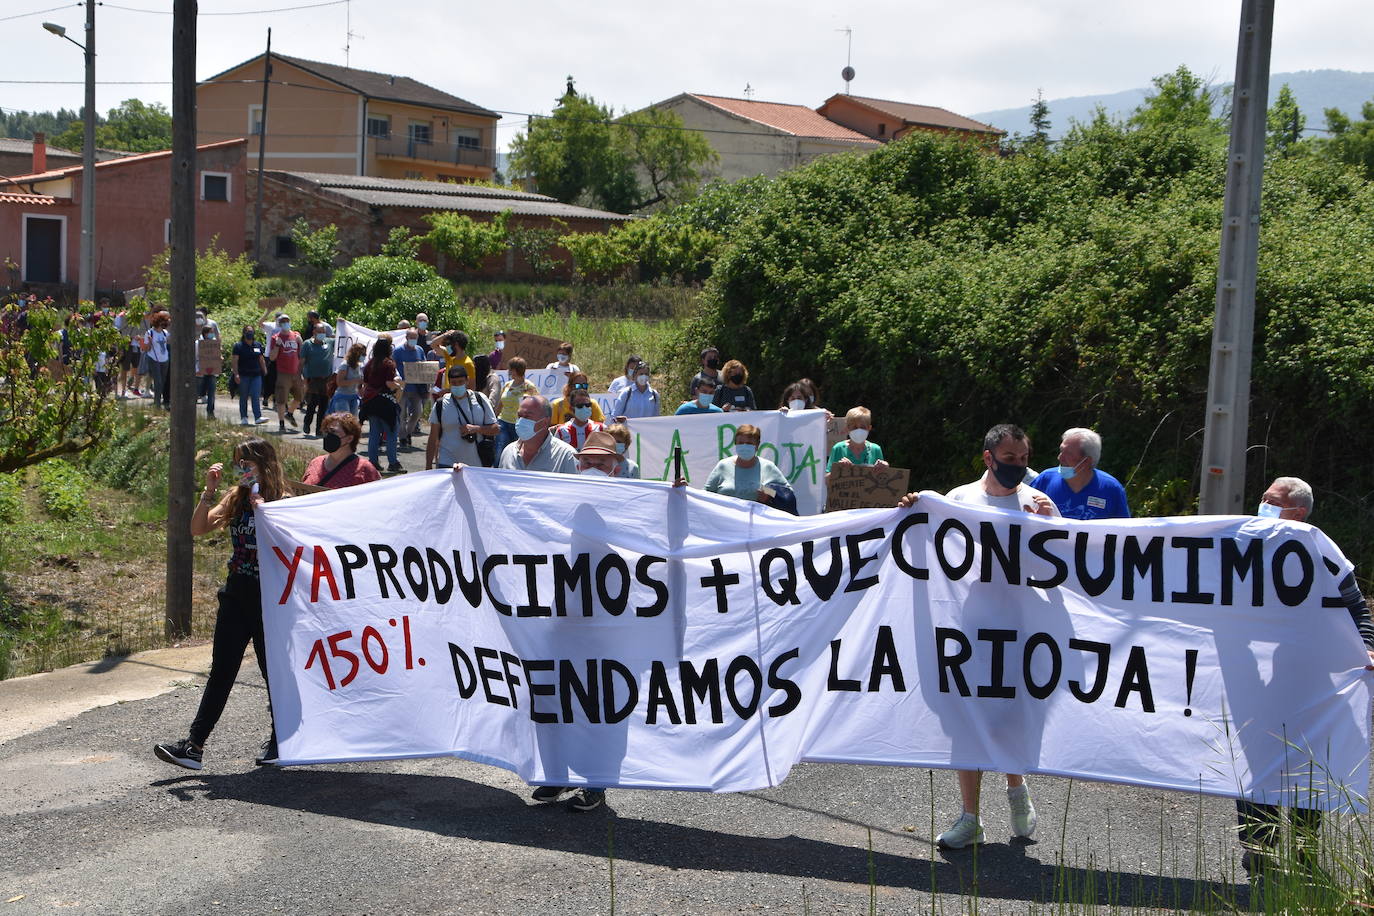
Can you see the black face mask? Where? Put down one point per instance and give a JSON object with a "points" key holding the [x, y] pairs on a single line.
{"points": [[1008, 475], [332, 442], [713, 364], [736, 380]]}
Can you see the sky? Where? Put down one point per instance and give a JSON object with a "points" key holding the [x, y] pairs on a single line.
{"points": [[514, 56]]}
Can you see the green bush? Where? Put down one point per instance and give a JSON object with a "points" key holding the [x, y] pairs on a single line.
{"points": [[11, 498], [62, 489], [221, 281], [1065, 287], [355, 290]]}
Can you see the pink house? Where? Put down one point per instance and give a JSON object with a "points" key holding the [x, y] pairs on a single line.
{"points": [[40, 215]]}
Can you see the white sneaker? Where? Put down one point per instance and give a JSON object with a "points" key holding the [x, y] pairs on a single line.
{"points": [[1023, 817], [966, 831]]}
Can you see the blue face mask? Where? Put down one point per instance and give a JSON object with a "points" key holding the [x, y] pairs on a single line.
{"points": [[1269, 510], [705, 399], [582, 413], [1067, 472], [746, 450], [620, 448], [460, 391], [524, 428]]}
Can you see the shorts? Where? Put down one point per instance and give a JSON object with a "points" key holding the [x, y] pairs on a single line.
{"points": [[289, 384], [129, 358]]}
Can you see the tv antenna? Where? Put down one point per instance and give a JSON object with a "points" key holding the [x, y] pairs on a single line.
{"points": [[748, 91], [847, 74], [349, 34]]}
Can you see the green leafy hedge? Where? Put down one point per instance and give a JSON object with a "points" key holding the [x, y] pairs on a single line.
{"points": [[949, 289], [378, 291]]}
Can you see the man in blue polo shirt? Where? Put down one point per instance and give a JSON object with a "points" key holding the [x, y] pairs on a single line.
{"points": [[1077, 487]]}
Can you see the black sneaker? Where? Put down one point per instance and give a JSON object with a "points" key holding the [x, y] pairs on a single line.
{"points": [[587, 799], [395, 469], [269, 752], [183, 754], [546, 794], [291, 418], [281, 427]]}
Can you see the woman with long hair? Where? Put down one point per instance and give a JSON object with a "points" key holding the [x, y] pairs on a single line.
{"points": [[259, 479], [380, 407], [346, 381]]}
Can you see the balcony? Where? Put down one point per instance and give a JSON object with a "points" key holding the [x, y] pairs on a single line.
{"points": [[450, 153]]}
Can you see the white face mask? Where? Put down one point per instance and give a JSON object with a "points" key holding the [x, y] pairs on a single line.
{"points": [[563, 357], [642, 380], [593, 472], [500, 345], [858, 436], [796, 404]]}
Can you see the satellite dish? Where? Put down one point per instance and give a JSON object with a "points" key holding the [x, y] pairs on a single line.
{"points": [[847, 74]]}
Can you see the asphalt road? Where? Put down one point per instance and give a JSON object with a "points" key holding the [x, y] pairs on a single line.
{"points": [[91, 821]]}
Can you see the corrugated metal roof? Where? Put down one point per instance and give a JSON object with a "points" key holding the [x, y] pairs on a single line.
{"points": [[415, 186], [797, 120], [919, 115], [538, 206], [378, 85]]}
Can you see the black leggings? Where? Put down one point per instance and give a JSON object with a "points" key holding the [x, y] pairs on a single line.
{"points": [[239, 621]]}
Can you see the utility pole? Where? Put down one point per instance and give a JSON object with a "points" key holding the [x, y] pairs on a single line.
{"points": [[1226, 437], [86, 286], [181, 478], [262, 151]]}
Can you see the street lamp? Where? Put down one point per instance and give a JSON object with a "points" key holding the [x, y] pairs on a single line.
{"points": [[86, 286]]}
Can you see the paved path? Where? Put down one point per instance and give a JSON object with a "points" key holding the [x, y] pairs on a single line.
{"points": [[92, 822]]}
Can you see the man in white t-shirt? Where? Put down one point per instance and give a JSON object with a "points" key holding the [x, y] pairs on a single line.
{"points": [[1006, 455], [457, 422]]}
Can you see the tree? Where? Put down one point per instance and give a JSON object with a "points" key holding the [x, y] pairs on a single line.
{"points": [[1182, 100], [464, 240], [1351, 141], [400, 243], [48, 406], [317, 249], [1039, 120], [1285, 123], [135, 126], [670, 157], [582, 154]]}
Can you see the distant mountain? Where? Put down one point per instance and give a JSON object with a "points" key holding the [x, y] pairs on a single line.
{"points": [[1315, 90]]}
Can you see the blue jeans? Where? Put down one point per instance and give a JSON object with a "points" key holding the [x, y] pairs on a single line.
{"points": [[375, 429], [344, 402], [250, 386], [505, 437], [205, 388]]}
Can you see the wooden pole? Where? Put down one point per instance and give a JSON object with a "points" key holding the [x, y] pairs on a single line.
{"points": [[181, 482]]}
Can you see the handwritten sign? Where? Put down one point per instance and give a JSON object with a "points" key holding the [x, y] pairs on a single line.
{"points": [[538, 351], [856, 486], [272, 305], [420, 373], [834, 432], [210, 356]]}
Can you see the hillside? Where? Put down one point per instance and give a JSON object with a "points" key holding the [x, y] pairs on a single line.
{"points": [[1316, 90]]}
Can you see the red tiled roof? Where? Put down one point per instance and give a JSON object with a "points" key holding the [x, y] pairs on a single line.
{"points": [[55, 174], [918, 115], [32, 200], [797, 120]]}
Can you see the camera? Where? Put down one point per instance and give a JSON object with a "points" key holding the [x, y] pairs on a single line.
{"points": [[471, 437]]}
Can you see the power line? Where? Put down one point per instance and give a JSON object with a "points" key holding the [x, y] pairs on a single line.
{"points": [[281, 9], [51, 9]]}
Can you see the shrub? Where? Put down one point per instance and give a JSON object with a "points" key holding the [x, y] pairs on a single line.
{"points": [[11, 498], [221, 281], [62, 489]]}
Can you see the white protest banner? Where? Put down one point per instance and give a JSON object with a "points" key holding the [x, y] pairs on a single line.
{"points": [[627, 633], [794, 441], [346, 334], [607, 404]]}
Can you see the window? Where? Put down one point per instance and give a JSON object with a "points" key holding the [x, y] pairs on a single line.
{"points": [[419, 132], [414, 176], [166, 232], [379, 127], [882, 130], [286, 246], [467, 138], [254, 120], [214, 185]]}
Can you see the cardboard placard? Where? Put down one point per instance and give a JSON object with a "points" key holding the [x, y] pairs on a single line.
{"points": [[834, 431], [209, 356], [537, 351], [272, 305], [856, 486], [299, 488], [420, 373]]}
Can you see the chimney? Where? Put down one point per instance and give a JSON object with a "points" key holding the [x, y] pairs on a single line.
{"points": [[40, 152]]}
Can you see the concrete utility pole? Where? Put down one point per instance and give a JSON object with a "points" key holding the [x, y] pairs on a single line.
{"points": [[1233, 328], [181, 478], [86, 270]]}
